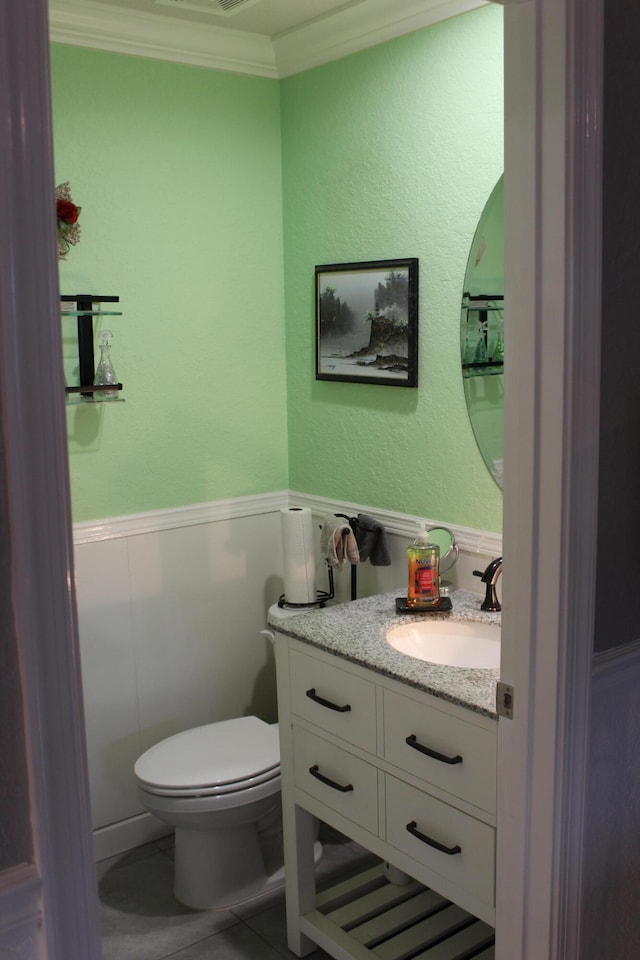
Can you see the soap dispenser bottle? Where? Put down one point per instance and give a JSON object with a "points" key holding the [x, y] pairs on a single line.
{"points": [[423, 589]]}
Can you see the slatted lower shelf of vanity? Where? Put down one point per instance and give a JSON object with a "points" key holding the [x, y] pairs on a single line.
{"points": [[368, 918]]}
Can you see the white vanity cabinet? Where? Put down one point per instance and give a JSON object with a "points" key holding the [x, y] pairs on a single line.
{"points": [[410, 777]]}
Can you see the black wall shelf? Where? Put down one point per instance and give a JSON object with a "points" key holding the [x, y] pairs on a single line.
{"points": [[85, 311], [479, 309]]}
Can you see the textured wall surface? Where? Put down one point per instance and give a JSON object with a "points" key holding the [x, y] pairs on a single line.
{"points": [[390, 153], [177, 170]]}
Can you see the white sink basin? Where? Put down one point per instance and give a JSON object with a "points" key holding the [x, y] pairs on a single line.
{"points": [[456, 643]]}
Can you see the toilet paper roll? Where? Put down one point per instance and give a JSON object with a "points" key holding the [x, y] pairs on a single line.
{"points": [[298, 552]]}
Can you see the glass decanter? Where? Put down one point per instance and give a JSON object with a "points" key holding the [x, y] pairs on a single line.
{"points": [[480, 354], [105, 374]]}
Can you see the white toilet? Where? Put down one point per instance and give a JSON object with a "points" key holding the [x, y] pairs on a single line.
{"points": [[219, 786]]}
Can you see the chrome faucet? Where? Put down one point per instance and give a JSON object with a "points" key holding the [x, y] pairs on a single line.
{"points": [[490, 578]]}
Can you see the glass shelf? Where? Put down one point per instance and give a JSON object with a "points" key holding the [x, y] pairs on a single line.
{"points": [[488, 305], [488, 368], [75, 400], [90, 313]]}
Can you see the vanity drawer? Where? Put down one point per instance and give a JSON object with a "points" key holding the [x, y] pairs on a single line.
{"points": [[334, 700], [471, 868], [473, 778], [336, 778]]}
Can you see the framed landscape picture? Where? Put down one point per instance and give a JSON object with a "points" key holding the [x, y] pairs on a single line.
{"points": [[367, 322]]}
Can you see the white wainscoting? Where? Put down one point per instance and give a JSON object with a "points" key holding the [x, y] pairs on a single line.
{"points": [[170, 607]]}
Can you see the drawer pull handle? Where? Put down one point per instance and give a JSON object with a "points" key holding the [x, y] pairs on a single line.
{"points": [[413, 830], [315, 772], [413, 742], [327, 703]]}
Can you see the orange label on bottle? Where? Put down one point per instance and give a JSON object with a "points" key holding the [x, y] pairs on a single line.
{"points": [[423, 581]]}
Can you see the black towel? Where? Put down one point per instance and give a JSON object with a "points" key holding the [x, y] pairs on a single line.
{"points": [[371, 538]]}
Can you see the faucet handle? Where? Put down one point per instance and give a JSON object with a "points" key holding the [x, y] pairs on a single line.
{"points": [[489, 576]]}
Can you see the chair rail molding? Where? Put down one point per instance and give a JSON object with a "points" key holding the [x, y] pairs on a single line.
{"points": [[153, 521], [404, 524]]}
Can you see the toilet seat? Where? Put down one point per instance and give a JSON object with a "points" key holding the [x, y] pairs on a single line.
{"points": [[218, 758]]}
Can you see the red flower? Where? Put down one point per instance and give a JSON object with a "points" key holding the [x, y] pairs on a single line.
{"points": [[67, 211]]}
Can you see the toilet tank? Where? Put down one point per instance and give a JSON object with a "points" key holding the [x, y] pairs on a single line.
{"points": [[277, 613]]}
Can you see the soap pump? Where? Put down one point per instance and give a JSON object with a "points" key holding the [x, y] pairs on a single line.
{"points": [[423, 588]]}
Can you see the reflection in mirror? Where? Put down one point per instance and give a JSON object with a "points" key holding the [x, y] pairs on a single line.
{"points": [[445, 540], [482, 333]]}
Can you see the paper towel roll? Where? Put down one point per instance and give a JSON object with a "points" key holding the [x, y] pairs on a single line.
{"points": [[298, 552]]}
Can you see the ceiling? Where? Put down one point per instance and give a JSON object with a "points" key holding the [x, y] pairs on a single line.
{"points": [[273, 38], [266, 17]]}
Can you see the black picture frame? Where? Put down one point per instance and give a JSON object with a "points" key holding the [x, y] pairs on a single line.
{"points": [[366, 312]]}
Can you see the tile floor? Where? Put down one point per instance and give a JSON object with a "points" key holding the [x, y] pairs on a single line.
{"points": [[141, 920]]}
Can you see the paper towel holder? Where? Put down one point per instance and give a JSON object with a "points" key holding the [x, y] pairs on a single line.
{"points": [[322, 596]]}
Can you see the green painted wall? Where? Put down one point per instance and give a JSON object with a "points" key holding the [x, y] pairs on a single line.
{"points": [[389, 153], [178, 172]]}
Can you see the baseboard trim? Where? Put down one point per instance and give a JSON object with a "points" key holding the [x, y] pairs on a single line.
{"points": [[617, 665], [123, 836]]}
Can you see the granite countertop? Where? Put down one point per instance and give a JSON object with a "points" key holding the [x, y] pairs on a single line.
{"points": [[356, 631]]}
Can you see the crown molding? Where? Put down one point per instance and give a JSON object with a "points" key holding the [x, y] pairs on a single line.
{"points": [[118, 30], [359, 27], [88, 23]]}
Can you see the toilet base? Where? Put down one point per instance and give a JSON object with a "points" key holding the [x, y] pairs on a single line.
{"points": [[199, 881], [215, 869]]}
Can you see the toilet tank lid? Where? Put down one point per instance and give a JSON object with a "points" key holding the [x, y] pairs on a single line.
{"points": [[276, 612], [226, 752]]}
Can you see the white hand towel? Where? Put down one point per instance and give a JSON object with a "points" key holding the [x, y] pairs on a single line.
{"points": [[337, 542]]}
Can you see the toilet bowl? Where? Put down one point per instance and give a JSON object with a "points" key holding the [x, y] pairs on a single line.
{"points": [[218, 785]]}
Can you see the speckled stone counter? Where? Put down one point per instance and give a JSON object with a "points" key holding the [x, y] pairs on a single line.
{"points": [[357, 632]]}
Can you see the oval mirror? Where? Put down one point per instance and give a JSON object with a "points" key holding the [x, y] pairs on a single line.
{"points": [[482, 333]]}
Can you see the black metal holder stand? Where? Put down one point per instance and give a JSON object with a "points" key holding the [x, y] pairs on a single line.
{"points": [[354, 577], [322, 596]]}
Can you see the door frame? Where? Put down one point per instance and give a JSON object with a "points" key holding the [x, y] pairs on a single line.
{"points": [[553, 250], [48, 907], [552, 196]]}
